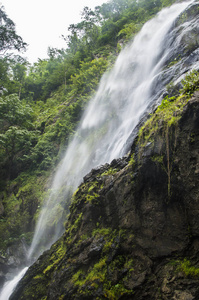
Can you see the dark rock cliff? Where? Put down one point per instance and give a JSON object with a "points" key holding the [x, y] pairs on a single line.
{"points": [[133, 228]]}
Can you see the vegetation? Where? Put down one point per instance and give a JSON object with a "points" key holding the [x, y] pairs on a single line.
{"points": [[166, 116], [99, 276], [8, 37], [186, 267]]}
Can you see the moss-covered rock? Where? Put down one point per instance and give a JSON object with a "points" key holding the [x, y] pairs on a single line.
{"points": [[128, 235]]}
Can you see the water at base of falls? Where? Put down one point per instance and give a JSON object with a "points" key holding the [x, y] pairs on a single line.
{"points": [[121, 100], [10, 285]]}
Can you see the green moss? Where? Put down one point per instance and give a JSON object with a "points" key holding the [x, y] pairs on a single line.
{"points": [[110, 171], [77, 278], [92, 278], [158, 159], [38, 288], [98, 272], [190, 83], [129, 264], [72, 229], [166, 115], [98, 275], [58, 254], [132, 160], [187, 268], [39, 276], [82, 238], [182, 18], [116, 291], [99, 232], [158, 126], [92, 198], [89, 282], [175, 61], [87, 192]]}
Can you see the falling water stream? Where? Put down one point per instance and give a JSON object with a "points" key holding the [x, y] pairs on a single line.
{"points": [[124, 94]]}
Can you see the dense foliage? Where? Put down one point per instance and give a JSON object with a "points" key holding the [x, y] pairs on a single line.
{"points": [[8, 38], [41, 104]]}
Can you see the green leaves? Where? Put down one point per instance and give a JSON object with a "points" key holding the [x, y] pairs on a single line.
{"points": [[129, 30], [89, 75], [14, 112], [9, 40], [191, 82], [17, 133]]}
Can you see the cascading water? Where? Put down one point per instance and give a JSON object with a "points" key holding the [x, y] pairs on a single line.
{"points": [[123, 96], [10, 285]]}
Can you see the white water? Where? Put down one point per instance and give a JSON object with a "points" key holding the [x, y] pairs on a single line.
{"points": [[10, 285], [123, 96]]}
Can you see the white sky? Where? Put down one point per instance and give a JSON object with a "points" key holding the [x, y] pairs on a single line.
{"points": [[42, 22]]}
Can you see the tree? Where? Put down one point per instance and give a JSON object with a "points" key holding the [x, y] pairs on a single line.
{"points": [[88, 77], [9, 40], [18, 75], [36, 79], [17, 134], [4, 74], [14, 113]]}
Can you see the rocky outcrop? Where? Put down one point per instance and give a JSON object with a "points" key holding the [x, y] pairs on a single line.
{"points": [[133, 227], [12, 260]]}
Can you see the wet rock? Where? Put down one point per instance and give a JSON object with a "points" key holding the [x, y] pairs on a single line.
{"points": [[133, 242], [95, 249]]}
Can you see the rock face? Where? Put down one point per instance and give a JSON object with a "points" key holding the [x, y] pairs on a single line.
{"points": [[133, 228], [12, 262]]}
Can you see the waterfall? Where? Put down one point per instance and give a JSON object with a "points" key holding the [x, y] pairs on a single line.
{"points": [[124, 94], [10, 285]]}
